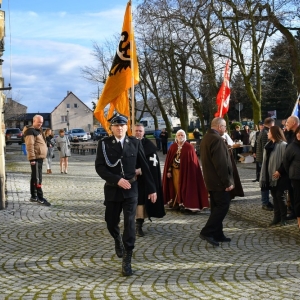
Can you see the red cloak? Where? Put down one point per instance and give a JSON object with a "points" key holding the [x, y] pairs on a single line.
{"points": [[192, 192]]}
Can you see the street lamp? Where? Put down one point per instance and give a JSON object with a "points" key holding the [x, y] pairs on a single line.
{"points": [[68, 120]]}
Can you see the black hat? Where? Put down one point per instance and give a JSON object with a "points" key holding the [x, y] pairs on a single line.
{"points": [[260, 123], [118, 119]]}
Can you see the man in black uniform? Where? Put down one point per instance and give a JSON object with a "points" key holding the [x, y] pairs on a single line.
{"points": [[146, 208], [116, 161]]}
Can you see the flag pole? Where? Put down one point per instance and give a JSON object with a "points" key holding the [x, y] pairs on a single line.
{"points": [[223, 93], [132, 71], [294, 109]]}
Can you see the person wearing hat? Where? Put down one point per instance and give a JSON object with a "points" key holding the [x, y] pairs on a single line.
{"points": [[118, 157]]}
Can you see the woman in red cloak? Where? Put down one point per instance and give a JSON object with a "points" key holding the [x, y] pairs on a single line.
{"points": [[183, 184]]}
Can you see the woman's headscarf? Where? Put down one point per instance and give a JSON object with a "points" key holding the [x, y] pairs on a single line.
{"points": [[180, 130]]}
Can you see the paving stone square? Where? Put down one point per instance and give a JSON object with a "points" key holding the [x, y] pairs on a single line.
{"points": [[65, 251]]}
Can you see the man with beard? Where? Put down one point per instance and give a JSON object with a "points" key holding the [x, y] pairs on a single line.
{"points": [[145, 207]]}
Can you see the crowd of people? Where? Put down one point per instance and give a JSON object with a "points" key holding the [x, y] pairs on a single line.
{"points": [[135, 186]]}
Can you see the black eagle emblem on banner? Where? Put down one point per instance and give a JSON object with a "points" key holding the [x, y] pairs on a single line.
{"points": [[122, 57]]}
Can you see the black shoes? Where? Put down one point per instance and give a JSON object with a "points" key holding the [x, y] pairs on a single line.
{"points": [[274, 222], [126, 263], [119, 246], [224, 239], [138, 227], [43, 201], [139, 231], [255, 180], [209, 239], [291, 217]]}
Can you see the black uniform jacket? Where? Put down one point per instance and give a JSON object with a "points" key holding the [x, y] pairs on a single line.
{"points": [[156, 209], [131, 155]]}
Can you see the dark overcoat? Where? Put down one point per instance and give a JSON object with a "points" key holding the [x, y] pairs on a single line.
{"points": [[109, 169], [216, 162], [155, 210]]}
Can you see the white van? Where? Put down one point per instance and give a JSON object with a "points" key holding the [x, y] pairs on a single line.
{"points": [[149, 124]]}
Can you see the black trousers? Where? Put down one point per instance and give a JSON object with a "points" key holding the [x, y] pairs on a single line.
{"points": [[296, 198], [164, 146], [36, 179], [292, 196], [112, 218], [158, 144], [258, 169], [219, 206], [280, 208]]}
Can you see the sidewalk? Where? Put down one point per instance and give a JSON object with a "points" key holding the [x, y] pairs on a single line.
{"points": [[65, 251]]}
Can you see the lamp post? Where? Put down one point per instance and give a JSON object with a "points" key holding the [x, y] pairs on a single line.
{"points": [[68, 120]]}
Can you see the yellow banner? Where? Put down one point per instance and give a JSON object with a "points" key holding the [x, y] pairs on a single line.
{"points": [[2, 24], [115, 91]]}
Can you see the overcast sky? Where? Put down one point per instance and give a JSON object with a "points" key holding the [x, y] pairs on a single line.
{"points": [[46, 44]]}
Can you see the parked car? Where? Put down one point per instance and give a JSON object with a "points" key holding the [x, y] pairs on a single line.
{"points": [[13, 135], [99, 133], [77, 135]]}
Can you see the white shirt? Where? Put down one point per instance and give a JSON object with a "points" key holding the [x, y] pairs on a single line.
{"points": [[121, 141]]}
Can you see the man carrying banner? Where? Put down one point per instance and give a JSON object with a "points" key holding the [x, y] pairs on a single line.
{"points": [[116, 161]]}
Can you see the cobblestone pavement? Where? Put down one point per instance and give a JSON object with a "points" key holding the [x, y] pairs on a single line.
{"points": [[65, 252]]}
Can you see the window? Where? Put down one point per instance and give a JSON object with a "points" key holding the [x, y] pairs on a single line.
{"points": [[68, 105], [64, 119], [75, 105]]}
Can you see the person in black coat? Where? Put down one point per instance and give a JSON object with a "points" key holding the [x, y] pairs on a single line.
{"points": [[164, 140], [116, 161], [218, 176], [291, 163], [145, 207], [291, 125]]}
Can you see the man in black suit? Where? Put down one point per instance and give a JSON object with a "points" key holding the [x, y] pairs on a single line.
{"points": [[116, 161], [218, 177], [145, 207]]}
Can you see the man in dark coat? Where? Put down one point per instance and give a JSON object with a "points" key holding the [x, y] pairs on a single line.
{"points": [[164, 140], [116, 161], [262, 140], [257, 164], [218, 177], [145, 207], [291, 125]]}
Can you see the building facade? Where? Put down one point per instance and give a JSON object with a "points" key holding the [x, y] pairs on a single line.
{"points": [[14, 113], [72, 113]]}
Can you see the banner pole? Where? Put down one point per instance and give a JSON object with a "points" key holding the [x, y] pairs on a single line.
{"points": [[294, 109], [132, 72]]}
